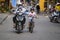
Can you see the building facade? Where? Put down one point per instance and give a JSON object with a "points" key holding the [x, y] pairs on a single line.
{"points": [[44, 3], [5, 5]]}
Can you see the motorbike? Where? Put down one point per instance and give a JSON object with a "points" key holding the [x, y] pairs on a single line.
{"points": [[55, 17], [19, 24]]}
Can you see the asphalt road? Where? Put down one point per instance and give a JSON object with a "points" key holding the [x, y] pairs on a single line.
{"points": [[44, 30]]}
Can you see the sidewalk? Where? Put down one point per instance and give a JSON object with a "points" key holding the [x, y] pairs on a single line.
{"points": [[3, 16]]}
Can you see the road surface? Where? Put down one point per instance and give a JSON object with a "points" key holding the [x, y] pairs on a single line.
{"points": [[44, 30]]}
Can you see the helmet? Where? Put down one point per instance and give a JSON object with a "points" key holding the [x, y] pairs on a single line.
{"points": [[57, 3], [19, 4]]}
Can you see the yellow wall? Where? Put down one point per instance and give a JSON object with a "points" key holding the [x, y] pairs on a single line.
{"points": [[41, 4]]}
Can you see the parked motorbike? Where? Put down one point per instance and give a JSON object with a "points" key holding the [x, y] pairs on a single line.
{"points": [[54, 17]]}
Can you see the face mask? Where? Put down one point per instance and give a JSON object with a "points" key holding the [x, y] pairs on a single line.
{"points": [[31, 12]]}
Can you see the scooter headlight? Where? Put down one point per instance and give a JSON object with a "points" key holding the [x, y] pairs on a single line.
{"points": [[20, 13]]}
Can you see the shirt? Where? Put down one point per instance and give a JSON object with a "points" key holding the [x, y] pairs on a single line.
{"points": [[31, 15], [57, 8]]}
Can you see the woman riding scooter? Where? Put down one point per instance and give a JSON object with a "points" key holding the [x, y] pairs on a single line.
{"points": [[14, 18]]}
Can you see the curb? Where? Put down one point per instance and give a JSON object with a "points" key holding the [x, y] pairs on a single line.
{"points": [[4, 18]]}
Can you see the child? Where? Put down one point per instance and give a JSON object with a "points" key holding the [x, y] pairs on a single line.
{"points": [[31, 16]]}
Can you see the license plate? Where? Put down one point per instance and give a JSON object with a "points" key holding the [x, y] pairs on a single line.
{"points": [[19, 23]]}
